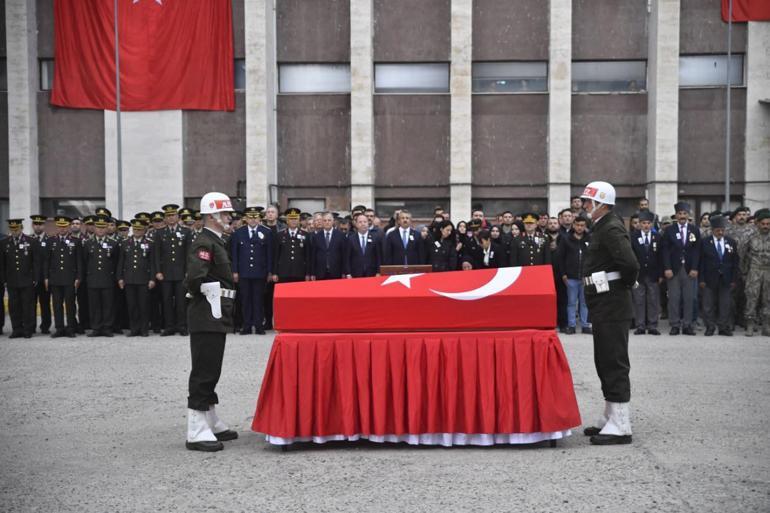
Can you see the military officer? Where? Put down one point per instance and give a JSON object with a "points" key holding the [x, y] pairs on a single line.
{"points": [[291, 260], [646, 246], [740, 230], [610, 270], [531, 247], [120, 321], [100, 259], [42, 296], [755, 261], [209, 282], [170, 250], [198, 224], [62, 273], [156, 294], [81, 294], [136, 277], [251, 252], [20, 268]]}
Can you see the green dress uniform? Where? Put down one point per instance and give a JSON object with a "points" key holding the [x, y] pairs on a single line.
{"points": [[100, 259], [612, 311], [292, 256], [207, 261], [530, 250], [20, 267], [169, 253], [62, 266], [43, 295], [136, 270]]}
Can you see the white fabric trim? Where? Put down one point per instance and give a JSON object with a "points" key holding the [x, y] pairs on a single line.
{"points": [[445, 439]]}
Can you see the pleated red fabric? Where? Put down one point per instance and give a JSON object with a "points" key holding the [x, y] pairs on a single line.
{"points": [[416, 383]]}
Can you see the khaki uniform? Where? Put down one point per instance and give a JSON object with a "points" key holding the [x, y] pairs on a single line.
{"points": [[755, 262], [740, 234]]}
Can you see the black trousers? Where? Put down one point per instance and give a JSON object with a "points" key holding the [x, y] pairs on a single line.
{"points": [[43, 298], [252, 292], [101, 303], [64, 299], [83, 310], [21, 307], [2, 307], [611, 359], [156, 308], [120, 322], [716, 306], [174, 305], [207, 350], [268, 304], [138, 306]]}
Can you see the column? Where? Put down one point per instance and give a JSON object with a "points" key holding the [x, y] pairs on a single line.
{"points": [[259, 20], [757, 193], [460, 88], [21, 46], [361, 105], [153, 161], [559, 105], [663, 105]]}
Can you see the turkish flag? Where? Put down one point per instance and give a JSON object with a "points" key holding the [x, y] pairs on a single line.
{"points": [[747, 10], [174, 54], [485, 299]]}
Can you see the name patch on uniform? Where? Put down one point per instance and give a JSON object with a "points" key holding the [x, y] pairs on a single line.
{"points": [[204, 255], [260, 235]]}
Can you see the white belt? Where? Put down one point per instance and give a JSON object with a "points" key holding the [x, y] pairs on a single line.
{"points": [[228, 293], [614, 275]]}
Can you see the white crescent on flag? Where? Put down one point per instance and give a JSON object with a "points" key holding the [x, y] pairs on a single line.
{"points": [[159, 2], [503, 278]]}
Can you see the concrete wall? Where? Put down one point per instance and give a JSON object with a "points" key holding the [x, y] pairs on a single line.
{"points": [[315, 31], [703, 31], [510, 30], [609, 29], [3, 145], [239, 45], [409, 31]]}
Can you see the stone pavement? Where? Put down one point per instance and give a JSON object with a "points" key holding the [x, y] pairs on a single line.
{"points": [[97, 425]]}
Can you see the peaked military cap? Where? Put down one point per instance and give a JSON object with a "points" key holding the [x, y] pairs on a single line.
{"points": [[102, 211], [157, 216], [123, 225], [138, 224], [142, 216], [529, 217], [292, 213], [15, 223], [170, 209], [62, 221], [89, 220], [101, 221], [253, 212], [37, 219]]}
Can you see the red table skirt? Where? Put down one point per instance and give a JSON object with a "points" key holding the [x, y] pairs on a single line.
{"points": [[417, 387]]}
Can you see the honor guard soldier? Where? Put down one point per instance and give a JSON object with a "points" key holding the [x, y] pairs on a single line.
{"points": [[251, 251], [42, 296], [681, 254], [646, 246], [209, 283], [755, 261], [719, 269], [610, 269], [136, 277], [362, 252], [20, 268], [63, 273], [531, 247], [291, 260], [100, 259], [170, 251]]}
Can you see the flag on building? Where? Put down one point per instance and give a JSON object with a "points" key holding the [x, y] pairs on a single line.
{"points": [[747, 10]]}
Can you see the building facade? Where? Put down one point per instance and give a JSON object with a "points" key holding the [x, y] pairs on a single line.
{"points": [[514, 104]]}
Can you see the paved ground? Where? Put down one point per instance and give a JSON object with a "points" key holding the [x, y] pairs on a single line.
{"points": [[98, 425]]}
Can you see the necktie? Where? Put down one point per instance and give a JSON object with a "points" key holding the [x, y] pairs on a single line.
{"points": [[719, 248], [328, 238], [682, 231], [646, 242], [404, 238], [363, 244], [486, 257], [251, 233]]}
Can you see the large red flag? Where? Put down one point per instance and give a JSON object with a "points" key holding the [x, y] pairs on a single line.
{"points": [[174, 54], [747, 10]]}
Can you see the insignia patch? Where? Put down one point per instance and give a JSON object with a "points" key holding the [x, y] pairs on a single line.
{"points": [[204, 255]]}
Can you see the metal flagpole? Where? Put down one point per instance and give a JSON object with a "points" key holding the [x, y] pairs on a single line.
{"points": [[117, 114], [729, 111]]}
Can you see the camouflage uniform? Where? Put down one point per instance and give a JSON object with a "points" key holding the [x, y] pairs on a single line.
{"points": [[755, 262], [741, 234]]}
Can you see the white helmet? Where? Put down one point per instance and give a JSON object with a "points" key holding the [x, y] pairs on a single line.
{"points": [[213, 202], [600, 192]]}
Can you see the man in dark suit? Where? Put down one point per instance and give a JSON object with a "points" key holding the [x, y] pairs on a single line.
{"points": [[403, 245], [681, 254], [646, 246], [717, 276], [251, 254], [362, 253], [328, 250]]}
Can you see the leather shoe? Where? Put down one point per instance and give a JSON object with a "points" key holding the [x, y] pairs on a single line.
{"points": [[688, 331], [108, 333], [653, 331], [674, 331], [569, 331], [15, 335], [167, 333], [132, 334], [71, 333], [95, 333], [639, 331], [610, 439], [710, 332], [45, 331], [260, 332], [587, 330], [592, 431], [144, 334], [57, 334], [245, 331], [204, 446], [226, 436], [183, 333], [726, 333]]}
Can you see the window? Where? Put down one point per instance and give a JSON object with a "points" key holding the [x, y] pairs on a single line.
{"points": [[420, 209], [709, 70], [310, 205], [46, 74], [510, 77], [494, 207], [3, 74], [72, 208], [240, 74], [313, 78], [411, 78], [609, 76]]}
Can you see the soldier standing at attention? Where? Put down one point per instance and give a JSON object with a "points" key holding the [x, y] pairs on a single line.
{"points": [[157, 223], [63, 273], [755, 261], [740, 230], [251, 251], [42, 296], [136, 277], [291, 261], [20, 269], [170, 253], [530, 248], [100, 258], [209, 282], [610, 269], [81, 294]]}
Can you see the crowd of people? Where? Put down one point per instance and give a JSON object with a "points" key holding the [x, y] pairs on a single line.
{"points": [[101, 276]]}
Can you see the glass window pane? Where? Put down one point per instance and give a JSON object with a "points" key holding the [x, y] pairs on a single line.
{"points": [[709, 70], [314, 78], [310, 205], [609, 76], [510, 77], [240, 74], [46, 74], [3, 74], [419, 208], [411, 78]]}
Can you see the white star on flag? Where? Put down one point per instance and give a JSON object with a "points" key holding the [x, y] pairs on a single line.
{"points": [[159, 2], [403, 279]]}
